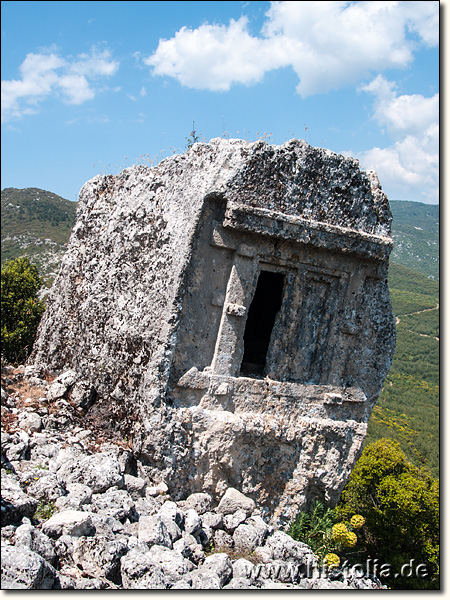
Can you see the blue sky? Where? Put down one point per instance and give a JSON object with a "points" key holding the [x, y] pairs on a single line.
{"points": [[94, 87]]}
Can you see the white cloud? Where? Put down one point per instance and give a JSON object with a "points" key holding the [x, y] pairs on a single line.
{"points": [[399, 114], [46, 74], [76, 88], [94, 64], [328, 44], [214, 56], [411, 163]]}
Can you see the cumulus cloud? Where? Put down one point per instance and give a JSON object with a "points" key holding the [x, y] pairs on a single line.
{"points": [[400, 114], [328, 44], [411, 162], [46, 74], [214, 57]]}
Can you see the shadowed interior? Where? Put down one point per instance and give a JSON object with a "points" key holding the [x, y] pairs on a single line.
{"points": [[260, 321]]}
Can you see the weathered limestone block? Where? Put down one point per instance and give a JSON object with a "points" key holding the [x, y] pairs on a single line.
{"points": [[233, 500], [140, 572], [69, 522], [36, 541], [230, 309], [15, 503], [23, 569]]}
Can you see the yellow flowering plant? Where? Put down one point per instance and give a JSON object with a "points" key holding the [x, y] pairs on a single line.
{"points": [[326, 538], [331, 560], [357, 521]]}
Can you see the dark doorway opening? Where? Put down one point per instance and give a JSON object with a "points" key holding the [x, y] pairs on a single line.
{"points": [[260, 321]]}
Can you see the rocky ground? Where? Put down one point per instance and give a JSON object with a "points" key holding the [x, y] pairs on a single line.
{"points": [[78, 513]]}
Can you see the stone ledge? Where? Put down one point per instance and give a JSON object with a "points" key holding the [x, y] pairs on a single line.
{"points": [[309, 393], [323, 235]]}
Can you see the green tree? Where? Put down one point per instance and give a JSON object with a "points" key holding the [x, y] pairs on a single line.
{"points": [[21, 309], [400, 504]]}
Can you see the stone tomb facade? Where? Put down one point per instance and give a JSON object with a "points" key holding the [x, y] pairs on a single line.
{"points": [[264, 305], [251, 331]]}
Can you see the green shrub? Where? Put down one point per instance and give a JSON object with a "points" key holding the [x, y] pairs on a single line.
{"points": [[327, 538], [314, 528], [21, 309], [45, 510], [400, 504]]}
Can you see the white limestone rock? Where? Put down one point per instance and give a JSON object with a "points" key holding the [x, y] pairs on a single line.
{"points": [[245, 538], [100, 556], [16, 504], [233, 500], [200, 502], [283, 547], [28, 536], [152, 300], [98, 471], [115, 503], [139, 572], [220, 565], [23, 569], [69, 522], [153, 531]]}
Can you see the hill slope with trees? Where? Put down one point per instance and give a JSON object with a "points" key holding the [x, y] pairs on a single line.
{"points": [[416, 233], [36, 224]]}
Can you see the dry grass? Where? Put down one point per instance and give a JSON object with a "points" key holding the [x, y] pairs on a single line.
{"points": [[27, 395]]}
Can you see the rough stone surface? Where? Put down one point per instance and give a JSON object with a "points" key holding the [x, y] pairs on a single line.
{"points": [[100, 556], [77, 541], [97, 471], [231, 521], [29, 537], [246, 538], [23, 569], [15, 503], [139, 572], [200, 502], [233, 500], [69, 522], [153, 530], [153, 311], [135, 486], [115, 503], [220, 565]]}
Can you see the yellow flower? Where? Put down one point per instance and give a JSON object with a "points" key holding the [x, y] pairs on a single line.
{"points": [[339, 532], [357, 521], [331, 560], [350, 539]]}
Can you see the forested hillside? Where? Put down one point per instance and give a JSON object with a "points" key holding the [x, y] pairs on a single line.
{"points": [[36, 224], [416, 233], [408, 407]]}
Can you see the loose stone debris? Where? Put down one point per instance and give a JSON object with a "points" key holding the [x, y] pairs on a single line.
{"points": [[79, 513]]}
